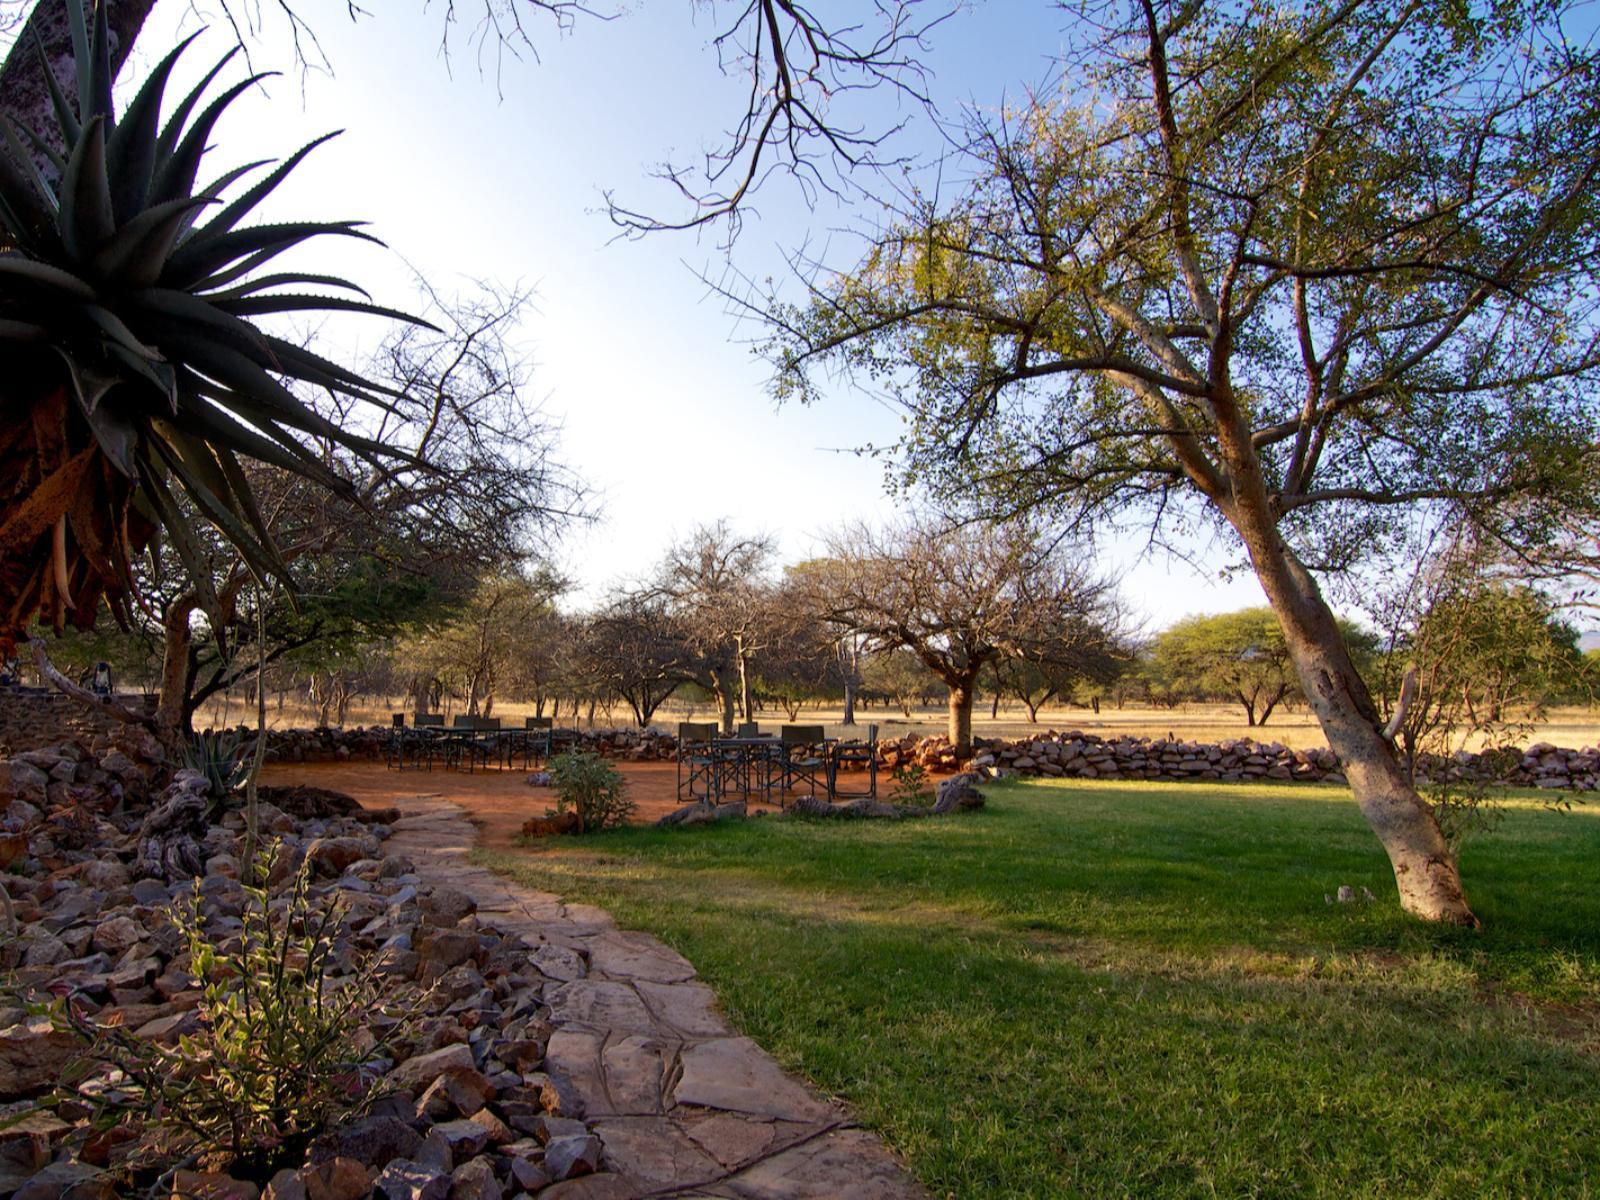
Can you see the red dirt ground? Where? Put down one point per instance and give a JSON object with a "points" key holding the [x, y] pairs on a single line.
{"points": [[498, 801]]}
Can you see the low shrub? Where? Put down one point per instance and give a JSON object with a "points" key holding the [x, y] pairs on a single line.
{"points": [[286, 1038], [589, 786]]}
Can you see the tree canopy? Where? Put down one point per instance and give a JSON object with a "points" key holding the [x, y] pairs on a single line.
{"points": [[1291, 271]]}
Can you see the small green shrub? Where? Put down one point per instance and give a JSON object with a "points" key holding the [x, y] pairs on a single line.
{"points": [[910, 784], [587, 784], [279, 1052]]}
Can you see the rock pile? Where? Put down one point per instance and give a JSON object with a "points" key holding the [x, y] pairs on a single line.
{"points": [[465, 1109], [1079, 755]]}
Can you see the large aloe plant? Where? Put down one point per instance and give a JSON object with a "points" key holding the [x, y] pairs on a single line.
{"points": [[130, 369]]}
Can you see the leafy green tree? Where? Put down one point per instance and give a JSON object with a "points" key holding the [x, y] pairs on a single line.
{"points": [[1239, 656], [1294, 273]]}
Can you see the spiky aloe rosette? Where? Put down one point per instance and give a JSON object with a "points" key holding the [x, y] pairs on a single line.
{"points": [[130, 368]]}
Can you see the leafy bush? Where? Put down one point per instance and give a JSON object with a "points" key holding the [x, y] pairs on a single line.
{"points": [[221, 758], [911, 784], [587, 784], [280, 1048]]}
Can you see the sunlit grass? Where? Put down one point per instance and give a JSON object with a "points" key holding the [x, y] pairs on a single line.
{"points": [[1141, 990]]}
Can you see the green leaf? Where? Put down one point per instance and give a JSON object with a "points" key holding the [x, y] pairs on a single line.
{"points": [[280, 450], [115, 435], [283, 279], [66, 119], [78, 31], [136, 254], [47, 278], [230, 216], [175, 176], [177, 527], [194, 466], [86, 220], [295, 302], [173, 129], [22, 331], [158, 374], [176, 312], [112, 326], [100, 77], [201, 264], [132, 150]]}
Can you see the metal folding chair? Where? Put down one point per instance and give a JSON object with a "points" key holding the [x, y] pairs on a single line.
{"points": [[699, 776], [857, 754], [801, 762]]}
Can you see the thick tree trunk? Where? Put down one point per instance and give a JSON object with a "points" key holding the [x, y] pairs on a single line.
{"points": [[24, 96], [849, 703], [177, 650], [1425, 872], [961, 717]]}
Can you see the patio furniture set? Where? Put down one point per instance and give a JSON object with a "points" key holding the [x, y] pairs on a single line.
{"points": [[772, 767], [468, 743]]}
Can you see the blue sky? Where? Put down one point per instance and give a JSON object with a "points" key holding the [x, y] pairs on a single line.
{"points": [[665, 410]]}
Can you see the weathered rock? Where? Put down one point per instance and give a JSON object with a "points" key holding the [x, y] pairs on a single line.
{"points": [[403, 1179], [68, 1181], [32, 1057], [372, 1142], [570, 1157], [474, 1180], [417, 1072], [336, 1179], [202, 1185]]}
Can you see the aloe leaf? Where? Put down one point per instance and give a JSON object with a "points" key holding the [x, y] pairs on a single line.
{"points": [[173, 129], [86, 219], [171, 519], [158, 374], [193, 465], [22, 331], [180, 313], [138, 251], [100, 77], [78, 31], [89, 383], [306, 364], [131, 152], [113, 327], [115, 436], [294, 302], [201, 264], [65, 117], [231, 215], [175, 176], [216, 423], [47, 278], [283, 279], [32, 207], [245, 495], [53, 156]]}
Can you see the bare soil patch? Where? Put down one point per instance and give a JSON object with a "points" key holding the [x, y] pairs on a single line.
{"points": [[497, 801]]}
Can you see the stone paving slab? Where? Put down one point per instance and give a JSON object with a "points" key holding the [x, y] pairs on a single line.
{"points": [[686, 1108]]}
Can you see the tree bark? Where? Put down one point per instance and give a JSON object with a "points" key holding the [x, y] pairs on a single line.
{"points": [[24, 95], [961, 716], [849, 703], [1424, 870], [177, 652]]}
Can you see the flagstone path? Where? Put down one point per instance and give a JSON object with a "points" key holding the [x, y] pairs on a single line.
{"points": [[686, 1107]]}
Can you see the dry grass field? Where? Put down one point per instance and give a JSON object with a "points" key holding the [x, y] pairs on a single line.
{"points": [[1574, 727]]}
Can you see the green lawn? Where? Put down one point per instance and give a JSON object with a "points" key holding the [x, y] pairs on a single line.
{"points": [[1139, 990]]}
